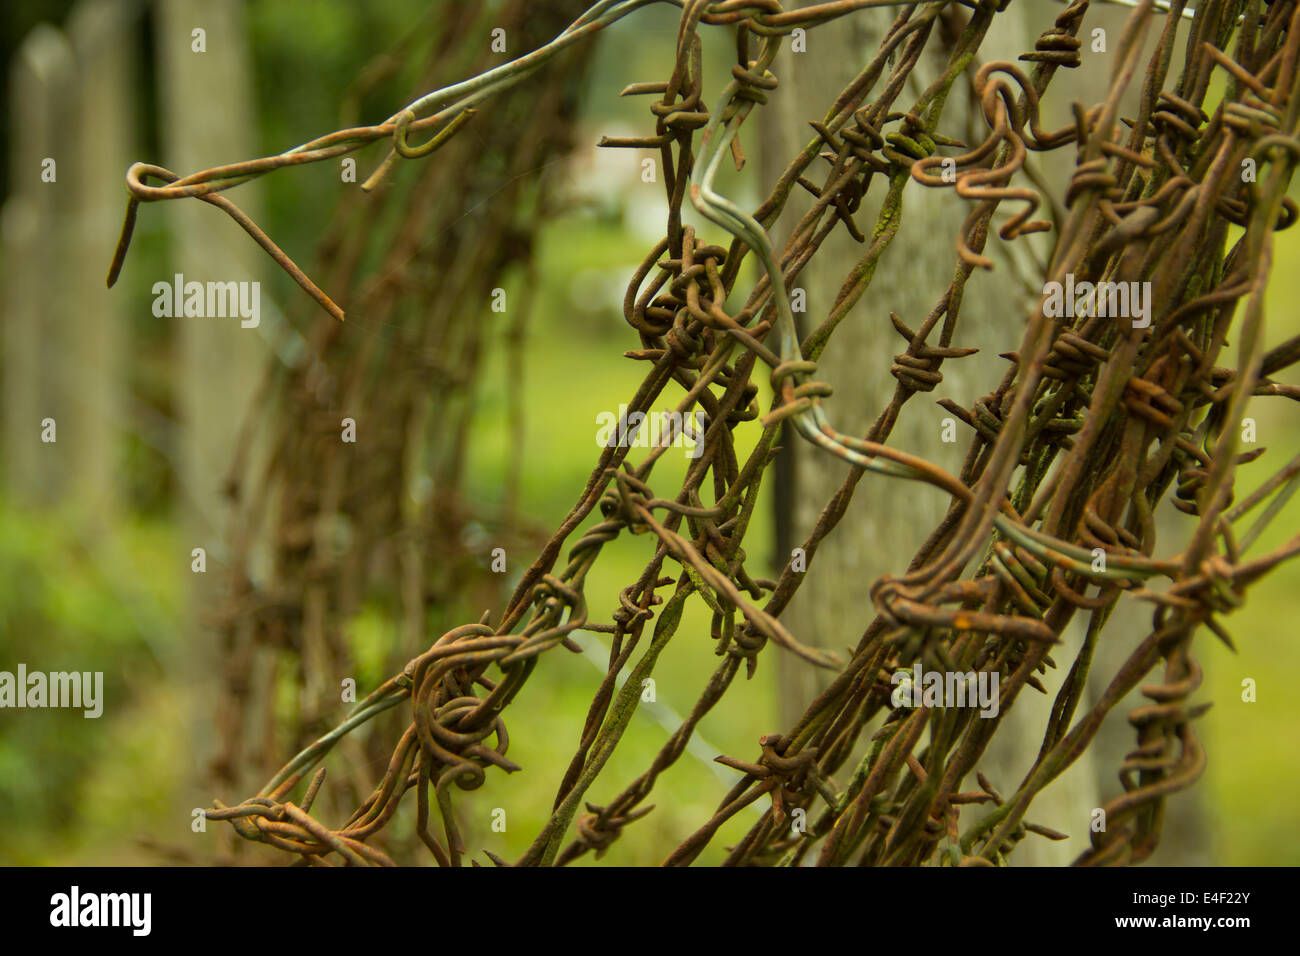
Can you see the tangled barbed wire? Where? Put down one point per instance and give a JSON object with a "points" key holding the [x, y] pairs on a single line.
{"points": [[1069, 457]]}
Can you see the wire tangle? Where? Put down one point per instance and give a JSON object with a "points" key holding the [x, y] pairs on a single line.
{"points": [[1097, 420]]}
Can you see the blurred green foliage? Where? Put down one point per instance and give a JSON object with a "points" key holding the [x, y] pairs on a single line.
{"points": [[66, 606]]}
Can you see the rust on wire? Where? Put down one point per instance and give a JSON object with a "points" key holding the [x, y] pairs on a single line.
{"points": [[1096, 421]]}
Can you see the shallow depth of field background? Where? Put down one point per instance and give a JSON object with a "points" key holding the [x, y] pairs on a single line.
{"points": [[79, 791]]}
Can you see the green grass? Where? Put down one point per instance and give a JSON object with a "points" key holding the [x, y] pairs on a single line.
{"points": [[1252, 771]]}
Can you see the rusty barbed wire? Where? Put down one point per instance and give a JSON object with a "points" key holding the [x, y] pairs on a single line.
{"points": [[1094, 422]]}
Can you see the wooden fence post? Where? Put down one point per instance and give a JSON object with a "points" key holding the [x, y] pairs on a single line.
{"points": [[35, 224], [95, 329], [888, 518], [208, 118]]}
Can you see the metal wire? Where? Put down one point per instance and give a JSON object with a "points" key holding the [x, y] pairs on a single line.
{"points": [[1070, 455]]}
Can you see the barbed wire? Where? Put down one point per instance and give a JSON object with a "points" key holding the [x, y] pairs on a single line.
{"points": [[1069, 457]]}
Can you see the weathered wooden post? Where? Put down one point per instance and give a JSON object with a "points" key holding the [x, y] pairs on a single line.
{"points": [[888, 519], [35, 232], [208, 118], [95, 329]]}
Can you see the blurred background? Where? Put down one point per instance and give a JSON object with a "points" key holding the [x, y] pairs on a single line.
{"points": [[175, 434]]}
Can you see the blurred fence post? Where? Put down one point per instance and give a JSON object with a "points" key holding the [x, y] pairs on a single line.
{"points": [[887, 520], [35, 227], [208, 118], [97, 329]]}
